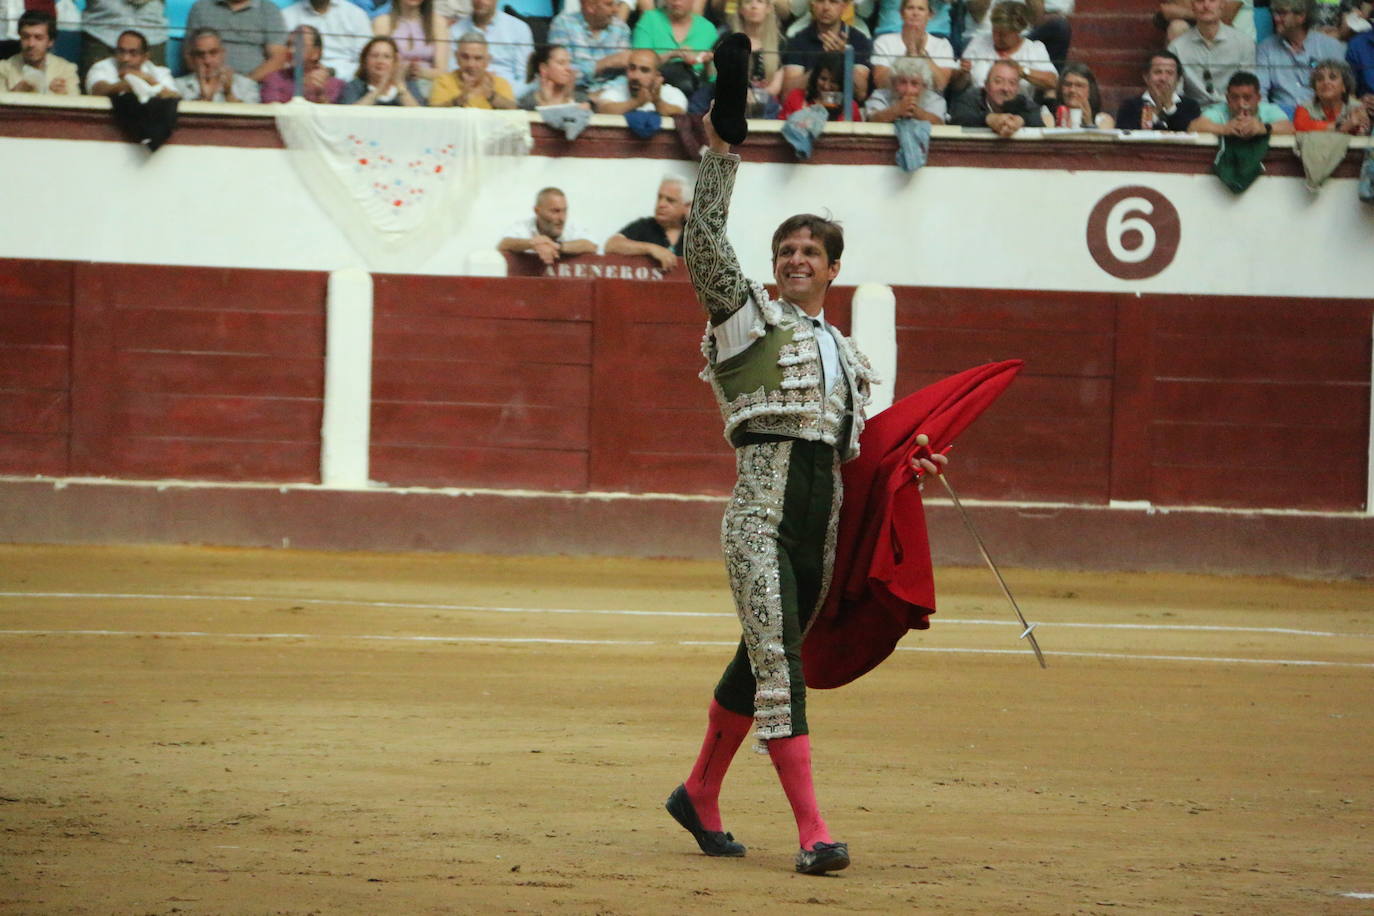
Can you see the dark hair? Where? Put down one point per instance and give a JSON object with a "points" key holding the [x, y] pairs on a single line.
{"points": [[362, 57], [312, 32], [39, 17], [826, 231], [142, 39], [540, 57], [831, 62], [1164, 52], [1075, 68], [1243, 78]]}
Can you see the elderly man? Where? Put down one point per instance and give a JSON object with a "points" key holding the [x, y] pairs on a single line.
{"points": [[1211, 52], [658, 236], [211, 78], [1244, 113], [508, 39], [998, 105], [549, 234], [1160, 107], [908, 95], [472, 85], [641, 89], [599, 42], [35, 68], [1284, 60], [827, 32], [320, 85], [130, 70], [253, 33], [344, 26]]}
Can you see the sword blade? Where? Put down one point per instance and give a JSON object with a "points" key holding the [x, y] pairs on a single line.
{"points": [[1028, 633]]}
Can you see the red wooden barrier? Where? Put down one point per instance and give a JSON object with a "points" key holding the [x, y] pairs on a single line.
{"points": [[568, 384], [35, 353]]}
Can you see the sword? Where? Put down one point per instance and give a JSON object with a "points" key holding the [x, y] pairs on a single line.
{"points": [[1028, 633]]}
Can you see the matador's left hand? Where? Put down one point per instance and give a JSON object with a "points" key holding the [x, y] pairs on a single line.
{"points": [[926, 461]]}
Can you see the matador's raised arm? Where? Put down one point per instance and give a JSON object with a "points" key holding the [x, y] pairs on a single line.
{"points": [[720, 286]]}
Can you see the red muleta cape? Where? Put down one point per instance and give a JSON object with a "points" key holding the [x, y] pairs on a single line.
{"points": [[882, 584]]}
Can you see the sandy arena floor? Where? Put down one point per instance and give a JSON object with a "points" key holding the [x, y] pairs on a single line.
{"points": [[232, 731]]}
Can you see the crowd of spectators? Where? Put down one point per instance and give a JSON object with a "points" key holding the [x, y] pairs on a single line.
{"points": [[996, 64]]}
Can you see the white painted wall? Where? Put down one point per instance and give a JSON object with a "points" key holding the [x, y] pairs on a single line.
{"points": [[999, 228]]}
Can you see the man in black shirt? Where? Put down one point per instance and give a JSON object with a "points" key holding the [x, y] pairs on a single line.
{"points": [[658, 236], [1160, 107], [826, 33], [999, 104]]}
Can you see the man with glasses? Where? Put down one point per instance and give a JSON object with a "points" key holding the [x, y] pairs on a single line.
{"points": [[211, 79], [1284, 60], [130, 70], [1211, 52]]}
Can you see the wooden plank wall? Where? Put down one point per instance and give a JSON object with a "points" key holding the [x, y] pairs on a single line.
{"points": [[35, 359], [570, 384], [481, 382], [145, 371]]}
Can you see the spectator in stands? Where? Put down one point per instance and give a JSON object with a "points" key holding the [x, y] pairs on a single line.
{"points": [[35, 68], [472, 85], [381, 78], [1009, 19], [509, 42], [211, 78], [1078, 92], [758, 19], [130, 69], [824, 87], [1244, 113], [641, 88], [104, 20], [1160, 107], [999, 105], [856, 14], [344, 24], [422, 38], [1175, 17], [827, 32], [252, 32], [553, 80], [891, 20], [682, 39], [658, 236], [320, 84], [909, 94], [914, 41], [599, 42], [1332, 105], [1284, 60], [1211, 52], [1360, 56], [549, 235]]}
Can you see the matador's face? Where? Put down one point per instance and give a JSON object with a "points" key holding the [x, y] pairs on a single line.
{"points": [[802, 269]]}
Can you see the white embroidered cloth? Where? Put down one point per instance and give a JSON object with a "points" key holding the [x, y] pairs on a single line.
{"points": [[398, 182]]}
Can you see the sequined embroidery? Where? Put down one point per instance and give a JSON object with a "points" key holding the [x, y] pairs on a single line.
{"points": [[749, 538]]}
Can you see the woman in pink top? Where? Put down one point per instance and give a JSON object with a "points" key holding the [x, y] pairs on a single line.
{"points": [[421, 35]]}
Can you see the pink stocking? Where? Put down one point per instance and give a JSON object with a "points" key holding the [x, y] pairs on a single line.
{"points": [[792, 759], [725, 730]]}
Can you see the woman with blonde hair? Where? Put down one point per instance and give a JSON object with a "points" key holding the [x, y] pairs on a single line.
{"points": [[1333, 105], [758, 19], [421, 37]]}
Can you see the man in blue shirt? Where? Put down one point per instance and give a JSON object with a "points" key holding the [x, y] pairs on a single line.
{"points": [[1284, 60]]}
